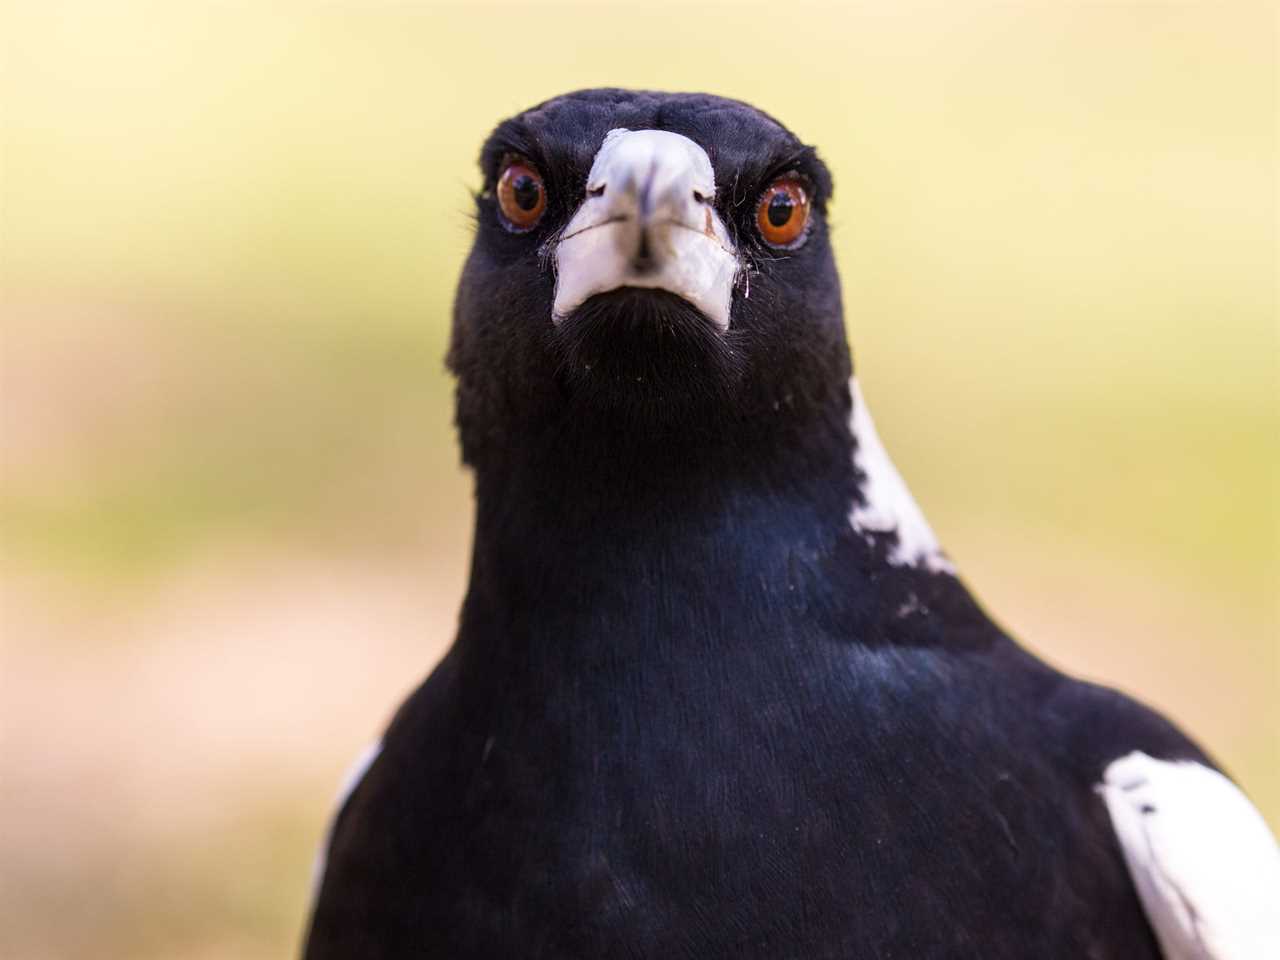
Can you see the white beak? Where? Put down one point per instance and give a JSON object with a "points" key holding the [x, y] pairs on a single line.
{"points": [[648, 221]]}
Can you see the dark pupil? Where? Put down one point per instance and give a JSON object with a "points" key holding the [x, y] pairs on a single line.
{"points": [[526, 191], [780, 208]]}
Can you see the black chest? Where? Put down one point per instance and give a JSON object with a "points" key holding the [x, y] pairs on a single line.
{"points": [[812, 798]]}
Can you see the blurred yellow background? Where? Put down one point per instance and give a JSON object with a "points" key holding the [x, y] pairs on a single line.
{"points": [[235, 527]]}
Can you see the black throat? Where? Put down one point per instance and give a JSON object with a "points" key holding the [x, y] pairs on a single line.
{"points": [[590, 535]]}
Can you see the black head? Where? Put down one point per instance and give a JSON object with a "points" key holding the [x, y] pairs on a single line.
{"points": [[564, 339]]}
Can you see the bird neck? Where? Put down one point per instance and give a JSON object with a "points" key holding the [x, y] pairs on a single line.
{"points": [[627, 539]]}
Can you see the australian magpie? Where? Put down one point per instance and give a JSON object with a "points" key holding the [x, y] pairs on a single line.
{"points": [[716, 691]]}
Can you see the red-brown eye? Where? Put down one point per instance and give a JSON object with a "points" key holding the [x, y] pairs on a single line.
{"points": [[783, 212], [522, 196]]}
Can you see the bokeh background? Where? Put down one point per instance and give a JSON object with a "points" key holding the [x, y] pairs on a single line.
{"points": [[235, 525]]}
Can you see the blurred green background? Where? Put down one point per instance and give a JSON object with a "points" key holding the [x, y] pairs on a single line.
{"points": [[235, 528]]}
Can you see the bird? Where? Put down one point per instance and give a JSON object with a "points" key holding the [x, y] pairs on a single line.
{"points": [[716, 691]]}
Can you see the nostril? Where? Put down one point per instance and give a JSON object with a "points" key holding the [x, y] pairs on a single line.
{"points": [[594, 192], [643, 261], [699, 197]]}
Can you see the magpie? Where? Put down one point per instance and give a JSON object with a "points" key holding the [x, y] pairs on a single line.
{"points": [[716, 691]]}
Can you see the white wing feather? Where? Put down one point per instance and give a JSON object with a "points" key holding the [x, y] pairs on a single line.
{"points": [[1205, 865]]}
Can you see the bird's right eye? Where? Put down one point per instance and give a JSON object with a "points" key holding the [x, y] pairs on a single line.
{"points": [[522, 196]]}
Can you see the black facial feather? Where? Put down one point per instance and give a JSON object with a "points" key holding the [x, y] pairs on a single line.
{"points": [[691, 712], [635, 361]]}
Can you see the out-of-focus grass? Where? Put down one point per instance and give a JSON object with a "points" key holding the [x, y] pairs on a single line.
{"points": [[235, 529]]}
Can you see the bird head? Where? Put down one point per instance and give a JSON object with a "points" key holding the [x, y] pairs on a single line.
{"points": [[648, 264]]}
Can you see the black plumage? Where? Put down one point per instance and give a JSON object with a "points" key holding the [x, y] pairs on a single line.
{"points": [[690, 711]]}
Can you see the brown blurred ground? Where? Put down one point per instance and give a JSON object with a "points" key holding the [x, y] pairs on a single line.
{"points": [[235, 531]]}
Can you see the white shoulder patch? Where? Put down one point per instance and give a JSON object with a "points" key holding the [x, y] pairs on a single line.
{"points": [[350, 780], [1202, 859], [889, 506]]}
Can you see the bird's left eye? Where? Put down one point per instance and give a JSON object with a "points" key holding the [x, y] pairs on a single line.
{"points": [[783, 212], [522, 196]]}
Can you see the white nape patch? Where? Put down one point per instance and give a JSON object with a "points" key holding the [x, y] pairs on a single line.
{"points": [[889, 506], [1202, 859], [350, 780], [648, 220]]}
